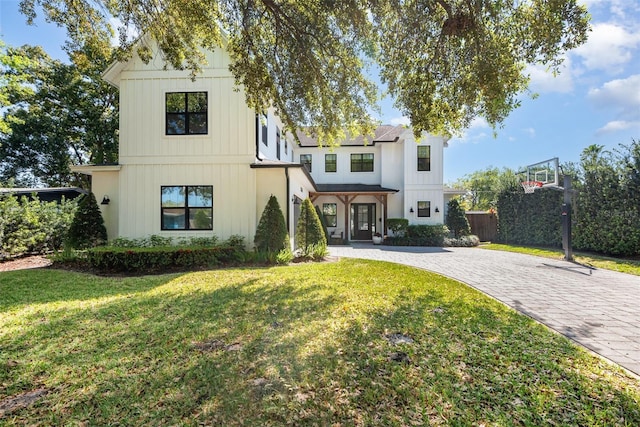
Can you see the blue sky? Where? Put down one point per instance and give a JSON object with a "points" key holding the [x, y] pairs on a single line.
{"points": [[595, 99]]}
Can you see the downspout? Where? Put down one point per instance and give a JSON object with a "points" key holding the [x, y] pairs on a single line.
{"points": [[286, 174], [257, 139]]}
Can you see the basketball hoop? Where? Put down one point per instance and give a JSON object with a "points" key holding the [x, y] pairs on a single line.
{"points": [[530, 186]]}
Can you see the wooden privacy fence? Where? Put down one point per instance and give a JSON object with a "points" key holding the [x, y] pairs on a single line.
{"points": [[484, 225]]}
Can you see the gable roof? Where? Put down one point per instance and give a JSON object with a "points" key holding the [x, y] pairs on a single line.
{"points": [[383, 133]]}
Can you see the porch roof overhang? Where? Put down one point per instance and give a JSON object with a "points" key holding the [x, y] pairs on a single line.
{"points": [[351, 189], [90, 169], [277, 164]]}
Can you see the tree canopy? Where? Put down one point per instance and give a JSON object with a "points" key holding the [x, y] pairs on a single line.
{"points": [[443, 61], [54, 113]]}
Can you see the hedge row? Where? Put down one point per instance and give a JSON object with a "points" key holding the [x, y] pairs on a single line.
{"points": [[420, 235], [32, 226], [118, 259], [530, 219]]}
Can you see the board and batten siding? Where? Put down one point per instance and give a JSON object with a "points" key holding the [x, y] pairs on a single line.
{"points": [[234, 203]]}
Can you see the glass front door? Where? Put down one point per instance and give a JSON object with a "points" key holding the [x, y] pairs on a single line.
{"points": [[363, 221]]}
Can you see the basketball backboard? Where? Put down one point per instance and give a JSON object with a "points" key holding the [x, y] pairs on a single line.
{"points": [[545, 172]]}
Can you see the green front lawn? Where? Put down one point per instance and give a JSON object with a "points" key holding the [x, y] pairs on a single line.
{"points": [[628, 266], [308, 344]]}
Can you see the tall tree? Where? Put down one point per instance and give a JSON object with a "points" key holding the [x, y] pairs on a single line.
{"points": [[55, 114], [484, 186], [444, 61]]}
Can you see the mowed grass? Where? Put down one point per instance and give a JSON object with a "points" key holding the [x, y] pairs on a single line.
{"points": [[629, 266], [299, 345]]}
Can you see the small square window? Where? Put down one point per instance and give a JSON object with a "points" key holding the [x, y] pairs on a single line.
{"points": [[330, 162], [186, 113], [186, 207], [424, 209]]}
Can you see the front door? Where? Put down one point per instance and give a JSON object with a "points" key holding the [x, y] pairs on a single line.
{"points": [[362, 220]]}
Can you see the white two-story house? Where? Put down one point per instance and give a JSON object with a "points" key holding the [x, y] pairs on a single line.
{"points": [[194, 160]]}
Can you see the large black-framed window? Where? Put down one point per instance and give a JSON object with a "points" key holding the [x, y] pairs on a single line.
{"points": [[424, 157], [186, 113], [424, 209], [186, 207], [330, 162], [362, 162], [330, 213], [305, 160]]}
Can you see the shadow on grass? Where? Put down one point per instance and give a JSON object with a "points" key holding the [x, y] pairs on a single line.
{"points": [[308, 348]]}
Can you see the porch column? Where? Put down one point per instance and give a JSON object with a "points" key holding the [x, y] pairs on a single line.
{"points": [[382, 198], [346, 200]]}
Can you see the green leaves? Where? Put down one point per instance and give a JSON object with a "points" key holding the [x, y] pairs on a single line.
{"points": [[55, 114], [444, 61]]}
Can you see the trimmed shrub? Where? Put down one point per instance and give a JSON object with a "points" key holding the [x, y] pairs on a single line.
{"points": [[457, 221], [87, 228], [323, 222], [463, 241], [153, 259], [420, 235], [398, 226], [309, 229], [271, 234]]}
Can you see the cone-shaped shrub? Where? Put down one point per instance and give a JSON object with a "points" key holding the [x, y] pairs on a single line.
{"points": [[271, 235], [87, 228], [456, 219], [309, 228]]}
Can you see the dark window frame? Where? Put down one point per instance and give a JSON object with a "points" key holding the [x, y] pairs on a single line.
{"points": [[424, 159], [425, 211], [334, 162], [362, 162], [305, 163], [188, 115], [187, 209], [330, 219]]}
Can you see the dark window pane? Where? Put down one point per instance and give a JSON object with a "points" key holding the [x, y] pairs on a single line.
{"points": [[198, 123], [424, 209], [424, 158], [197, 102], [176, 124], [175, 102], [200, 219], [330, 163], [305, 159], [173, 219]]}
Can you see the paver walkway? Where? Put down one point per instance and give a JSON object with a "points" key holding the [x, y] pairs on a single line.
{"points": [[598, 309]]}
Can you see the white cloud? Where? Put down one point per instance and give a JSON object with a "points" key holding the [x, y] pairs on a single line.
{"points": [[475, 133], [623, 95], [530, 131], [404, 120], [543, 80], [618, 125], [609, 47]]}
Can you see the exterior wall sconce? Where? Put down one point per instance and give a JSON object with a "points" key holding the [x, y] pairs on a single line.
{"points": [[105, 200], [410, 210], [437, 210]]}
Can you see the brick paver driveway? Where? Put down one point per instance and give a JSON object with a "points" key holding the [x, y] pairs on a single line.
{"points": [[598, 309]]}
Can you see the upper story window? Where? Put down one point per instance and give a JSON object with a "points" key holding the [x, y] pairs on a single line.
{"points": [[278, 143], [362, 162], [305, 160], [424, 209], [424, 157], [265, 129], [186, 113], [330, 162], [187, 207]]}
